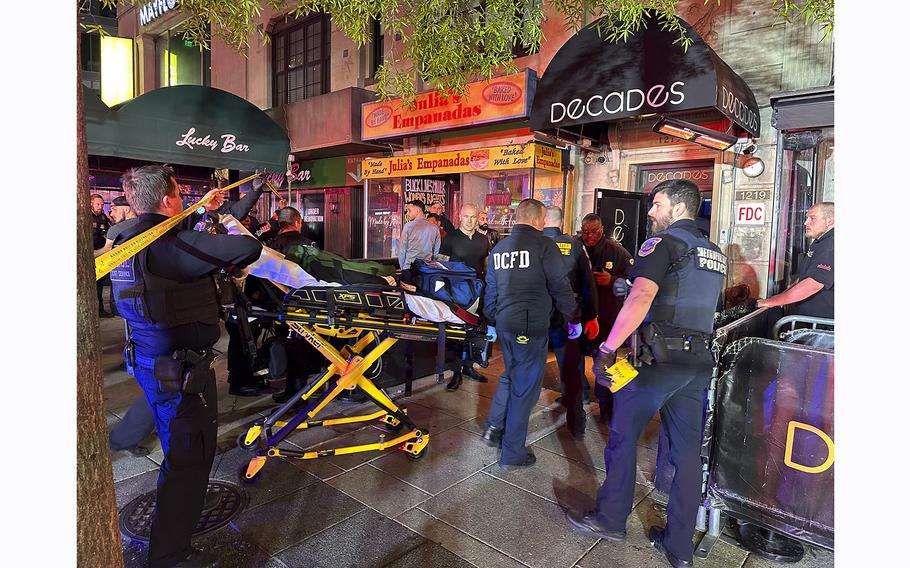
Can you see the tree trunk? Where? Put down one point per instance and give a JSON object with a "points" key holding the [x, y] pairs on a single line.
{"points": [[97, 535]]}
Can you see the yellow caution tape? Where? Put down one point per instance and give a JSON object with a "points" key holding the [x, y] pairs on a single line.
{"points": [[114, 257]]}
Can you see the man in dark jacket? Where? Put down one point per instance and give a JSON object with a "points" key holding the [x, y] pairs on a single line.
{"points": [[610, 261], [568, 354], [525, 277], [301, 357]]}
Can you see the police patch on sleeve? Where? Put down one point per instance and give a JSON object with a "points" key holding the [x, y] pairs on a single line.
{"points": [[648, 246]]}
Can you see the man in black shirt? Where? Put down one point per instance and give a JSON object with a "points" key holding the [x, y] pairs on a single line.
{"points": [[169, 295], [100, 226], [609, 261], [813, 292], [466, 244]]}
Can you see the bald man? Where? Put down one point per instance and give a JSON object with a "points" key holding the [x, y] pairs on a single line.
{"points": [[468, 245], [813, 293]]}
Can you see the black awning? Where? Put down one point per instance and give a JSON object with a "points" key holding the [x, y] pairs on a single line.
{"points": [[189, 125], [590, 82]]}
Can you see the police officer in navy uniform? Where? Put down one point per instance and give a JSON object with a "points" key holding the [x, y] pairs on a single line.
{"points": [[568, 351], [677, 277], [169, 297], [100, 226], [525, 277]]}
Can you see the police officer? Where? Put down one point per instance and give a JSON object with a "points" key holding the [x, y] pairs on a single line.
{"points": [[677, 278], [100, 226], [568, 354], [525, 276], [170, 300]]}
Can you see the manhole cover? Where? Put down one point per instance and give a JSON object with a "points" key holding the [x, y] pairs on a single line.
{"points": [[223, 502]]}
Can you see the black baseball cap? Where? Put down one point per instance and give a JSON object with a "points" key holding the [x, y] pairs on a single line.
{"points": [[120, 202], [417, 203]]}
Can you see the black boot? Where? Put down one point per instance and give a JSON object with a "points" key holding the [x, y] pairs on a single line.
{"points": [[455, 382], [473, 375]]}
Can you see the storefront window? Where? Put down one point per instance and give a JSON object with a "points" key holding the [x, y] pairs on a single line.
{"points": [[384, 218], [497, 194], [180, 61]]}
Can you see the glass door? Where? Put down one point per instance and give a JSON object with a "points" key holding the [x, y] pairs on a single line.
{"points": [[806, 177]]}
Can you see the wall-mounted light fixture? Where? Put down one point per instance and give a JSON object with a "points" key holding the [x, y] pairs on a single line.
{"points": [[333, 206], [694, 133]]}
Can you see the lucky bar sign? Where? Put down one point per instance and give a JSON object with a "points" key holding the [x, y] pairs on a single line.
{"points": [[223, 143], [500, 98]]}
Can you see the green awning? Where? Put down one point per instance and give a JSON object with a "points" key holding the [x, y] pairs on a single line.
{"points": [[189, 125]]}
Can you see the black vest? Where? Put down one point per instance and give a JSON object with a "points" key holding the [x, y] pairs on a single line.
{"points": [[147, 301], [689, 292]]}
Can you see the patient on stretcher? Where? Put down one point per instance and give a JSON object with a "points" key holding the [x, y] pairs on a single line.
{"points": [[385, 301]]}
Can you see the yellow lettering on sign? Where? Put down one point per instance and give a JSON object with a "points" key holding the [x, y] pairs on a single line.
{"points": [[788, 450], [565, 248]]}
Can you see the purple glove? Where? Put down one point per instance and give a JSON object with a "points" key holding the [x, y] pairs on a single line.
{"points": [[574, 330]]}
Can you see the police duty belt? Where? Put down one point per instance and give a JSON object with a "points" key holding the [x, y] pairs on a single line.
{"points": [[115, 257]]}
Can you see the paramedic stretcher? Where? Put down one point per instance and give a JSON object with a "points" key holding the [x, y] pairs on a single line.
{"points": [[373, 319]]}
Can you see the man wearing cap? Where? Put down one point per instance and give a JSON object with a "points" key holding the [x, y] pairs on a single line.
{"points": [[419, 238]]}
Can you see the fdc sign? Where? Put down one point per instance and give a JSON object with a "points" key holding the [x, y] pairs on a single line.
{"points": [[750, 214]]}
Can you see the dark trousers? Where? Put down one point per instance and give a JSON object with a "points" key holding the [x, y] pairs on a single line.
{"points": [[136, 425], [239, 362], [188, 427], [677, 389], [571, 365], [517, 392], [99, 286]]}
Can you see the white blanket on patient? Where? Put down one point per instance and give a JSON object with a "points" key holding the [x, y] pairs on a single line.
{"points": [[272, 265]]}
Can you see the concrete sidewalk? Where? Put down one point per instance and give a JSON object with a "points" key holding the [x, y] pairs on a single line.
{"points": [[454, 507]]}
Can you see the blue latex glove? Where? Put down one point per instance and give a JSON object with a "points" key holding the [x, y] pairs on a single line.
{"points": [[574, 330], [491, 334]]}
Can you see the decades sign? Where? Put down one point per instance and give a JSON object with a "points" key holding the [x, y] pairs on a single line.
{"points": [[590, 82]]}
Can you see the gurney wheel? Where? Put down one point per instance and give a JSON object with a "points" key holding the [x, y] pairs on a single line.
{"points": [[241, 443], [419, 455], [241, 474]]}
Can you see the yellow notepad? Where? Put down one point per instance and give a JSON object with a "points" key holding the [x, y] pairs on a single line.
{"points": [[621, 372]]}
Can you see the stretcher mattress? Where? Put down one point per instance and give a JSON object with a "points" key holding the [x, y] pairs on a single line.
{"points": [[272, 266]]}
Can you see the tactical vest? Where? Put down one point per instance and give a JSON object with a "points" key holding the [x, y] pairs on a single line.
{"points": [[149, 301], [564, 242], [689, 292]]}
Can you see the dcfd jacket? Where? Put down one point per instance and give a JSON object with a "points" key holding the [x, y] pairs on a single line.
{"points": [[689, 292], [525, 276], [578, 269]]}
